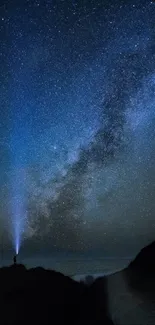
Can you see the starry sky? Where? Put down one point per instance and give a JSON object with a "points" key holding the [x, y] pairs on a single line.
{"points": [[77, 125]]}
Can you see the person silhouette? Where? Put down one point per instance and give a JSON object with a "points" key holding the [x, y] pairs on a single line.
{"points": [[15, 260]]}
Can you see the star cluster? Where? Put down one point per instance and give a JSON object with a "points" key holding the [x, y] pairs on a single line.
{"points": [[77, 92]]}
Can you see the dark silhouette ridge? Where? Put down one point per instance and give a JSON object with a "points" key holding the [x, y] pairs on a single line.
{"points": [[140, 273], [39, 296], [131, 291], [145, 260]]}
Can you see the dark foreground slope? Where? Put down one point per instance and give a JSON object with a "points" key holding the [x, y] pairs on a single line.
{"points": [[39, 296], [145, 260], [131, 292], [141, 271]]}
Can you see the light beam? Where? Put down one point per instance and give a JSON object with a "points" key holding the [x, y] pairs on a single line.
{"points": [[18, 208]]}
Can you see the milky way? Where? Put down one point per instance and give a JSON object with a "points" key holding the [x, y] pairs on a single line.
{"points": [[77, 124]]}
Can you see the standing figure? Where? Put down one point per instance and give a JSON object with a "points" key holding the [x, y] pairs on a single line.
{"points": [[15, 260]]}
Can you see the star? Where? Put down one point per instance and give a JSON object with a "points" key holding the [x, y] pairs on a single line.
{"points": [[77, 125]]}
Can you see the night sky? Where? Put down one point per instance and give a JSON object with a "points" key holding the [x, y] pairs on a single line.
{"points": [[77, 125]]}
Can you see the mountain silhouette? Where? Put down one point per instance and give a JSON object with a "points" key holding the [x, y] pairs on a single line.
{"points": [[39, 296], [131, 292], [144, 261]]}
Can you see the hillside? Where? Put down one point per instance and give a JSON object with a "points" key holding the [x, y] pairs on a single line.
{"points": [[39, 296]]}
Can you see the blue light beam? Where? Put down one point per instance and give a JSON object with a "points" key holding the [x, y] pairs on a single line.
{"points": [[18, 208]]}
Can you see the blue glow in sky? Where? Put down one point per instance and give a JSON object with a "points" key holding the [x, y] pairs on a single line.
{"points": [[77, 124]]}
